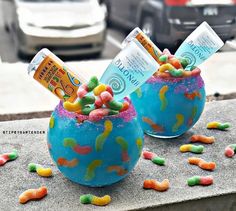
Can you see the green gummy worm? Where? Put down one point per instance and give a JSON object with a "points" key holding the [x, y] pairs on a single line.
{"points": [[224, 126], [159, 161], [32, 167], [114, 105], [87, 100], [93, 82], [197, 149], [163, 58], [13, 155], [86, 199], [195, 180]]}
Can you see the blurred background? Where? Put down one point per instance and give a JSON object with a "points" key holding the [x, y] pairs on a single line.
{"points": [[87, 34], [94, 29]]}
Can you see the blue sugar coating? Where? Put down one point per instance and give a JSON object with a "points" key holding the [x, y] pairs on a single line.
{"points": [[85, 134], [149, 105]]}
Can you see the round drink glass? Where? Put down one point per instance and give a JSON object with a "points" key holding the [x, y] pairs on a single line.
{"points": [[167, 108], [94, 153]]}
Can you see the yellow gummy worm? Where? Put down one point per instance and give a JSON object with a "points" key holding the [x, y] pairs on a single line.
{"points": [[99, 89], [44, 172], [101, 201], [72, 107], [179, 122], [162, 96], [165, 67], [90, 173]]}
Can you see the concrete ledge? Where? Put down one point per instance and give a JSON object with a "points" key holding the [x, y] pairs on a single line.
{"points": [[127, 194]]}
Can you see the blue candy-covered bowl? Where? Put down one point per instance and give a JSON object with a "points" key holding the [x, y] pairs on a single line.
{"points": [[168, 108], [94, 153]]}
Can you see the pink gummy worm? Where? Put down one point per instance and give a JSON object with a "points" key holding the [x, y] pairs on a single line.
{"points": [[82, 91], [82, 149], [149, 155], [229, 152], [208, 180], [98, 114], [3, 159]]}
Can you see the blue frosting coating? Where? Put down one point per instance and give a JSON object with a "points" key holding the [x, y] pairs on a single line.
{"points": [[183, 99], [85, 134]]}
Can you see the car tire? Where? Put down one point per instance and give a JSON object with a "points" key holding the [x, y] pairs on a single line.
{"points": [[147, 26]]}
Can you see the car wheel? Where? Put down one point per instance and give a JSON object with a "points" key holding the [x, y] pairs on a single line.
{"points": [[147, 27]]}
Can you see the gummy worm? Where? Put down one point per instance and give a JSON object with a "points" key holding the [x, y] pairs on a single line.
{"points": [[85, 88], [43, 172], [162, 96], [191, 148], [120, 170], [193, 114], [99, 113], [83, 150], [100, 140], [67, 163], [230, 150], [95, 200], [124, 147], [202, 139], [51, 122], [191, 96], [153, 125], [8, 157], [218, 125], [198, 180], [154, 158], [32, 194], [180, 121], [158, 186], [90, 173], [139, 144], [138, 91], [202, 163]]}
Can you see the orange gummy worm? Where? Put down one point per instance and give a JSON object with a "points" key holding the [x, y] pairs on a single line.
{"points": [[158, 186], [31, 194], [202, 139], [202, 163]]}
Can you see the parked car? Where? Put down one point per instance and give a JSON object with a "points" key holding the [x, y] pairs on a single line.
{"points": [[169, 22], [67, 27]]}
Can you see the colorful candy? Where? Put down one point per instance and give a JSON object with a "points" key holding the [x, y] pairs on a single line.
{"points": [[8, 157], [33, 194], [67, 163], [162, 97], [100, 140], [202, 163], [41, 171], [70, 142], [95, 200], [124, 148], [90, 173], [100, 113], [202, 139], [230, 150], [192, 148], [109, 101], [154, 158], [179, 122], [153, 125], [158, 186], [218, 125], [118, 169], [198, 180]]}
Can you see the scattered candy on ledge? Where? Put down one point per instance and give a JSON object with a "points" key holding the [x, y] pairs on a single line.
{"points": [[8, 157], [192, 148], [154, 158], [155, 185], [218, 125], [41, 171], [198, 180], [32, 194], [202, 139], [230, 150], [95, 200], [202, 163]]}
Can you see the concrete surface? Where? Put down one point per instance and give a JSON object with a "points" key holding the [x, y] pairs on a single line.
{"points": [[21, 94], [127, 194]]}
